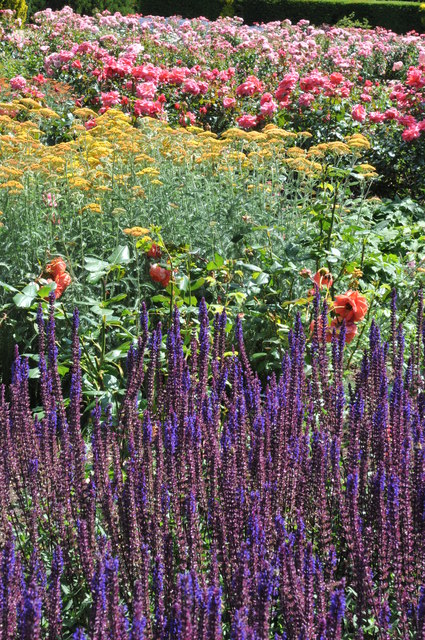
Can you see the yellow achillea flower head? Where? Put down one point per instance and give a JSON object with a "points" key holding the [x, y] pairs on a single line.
{"points": [[136, 232], [12, 184], [94, 207]]}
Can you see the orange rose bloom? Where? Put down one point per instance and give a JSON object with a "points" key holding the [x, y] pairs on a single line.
{"points": [[323, 278], [319, 328], [160, 275], [350, 330], [55, 267], [351, 306], [63, 280]]}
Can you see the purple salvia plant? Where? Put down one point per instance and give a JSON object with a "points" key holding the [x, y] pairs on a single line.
{"points": [[221, 505]]}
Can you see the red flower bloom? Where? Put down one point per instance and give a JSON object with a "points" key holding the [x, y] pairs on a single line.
{"points": [[160, 275], [350, 330], [154, 251], [63, 280], [351, 306], [55, 268], [328, 333], [323, 278]]}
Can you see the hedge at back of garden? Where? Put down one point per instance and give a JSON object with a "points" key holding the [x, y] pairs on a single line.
{"points": [[400, 16]]}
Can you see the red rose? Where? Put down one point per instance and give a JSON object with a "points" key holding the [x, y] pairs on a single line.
{"points": [[351, 306], [323, 278], [160, 275], [350, 330], [55, 268], [63, 280], [154, 251]]}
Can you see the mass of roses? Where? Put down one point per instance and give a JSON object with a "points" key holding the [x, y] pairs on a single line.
{"points": [[190, 73]]}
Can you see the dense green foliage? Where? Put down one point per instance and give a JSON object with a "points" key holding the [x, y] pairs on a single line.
{"points": [[399, 16], [20, 6]]}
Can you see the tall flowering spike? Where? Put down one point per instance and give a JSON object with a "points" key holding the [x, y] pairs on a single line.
{"points": [[55, 602], [420, 613], [214, 604], [99, 608], [79, 635], [30, 606], [316, 337], [144, 319], [10, 588], [418, 346], [158, 588], [204, 349], [41, 329], [241, 349], [139, 620], [240, 629], [51, 337], [393, 324], [336, 612]]}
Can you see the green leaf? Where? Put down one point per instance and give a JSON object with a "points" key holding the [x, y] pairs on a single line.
{"points": [[62, 370], [261, 278], [117, 298], [44, 291], [184, 283], [92, 278], [218, 260], [121, 255], [197, 284], [25, 299], [160, 298], [95, 265], [7, 286]]}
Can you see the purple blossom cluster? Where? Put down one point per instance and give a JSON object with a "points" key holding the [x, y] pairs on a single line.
{"points": [[214, 506]]}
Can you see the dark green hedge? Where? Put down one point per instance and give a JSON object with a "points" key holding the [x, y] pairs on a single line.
{"points": [[399, 16], [210, 9]]}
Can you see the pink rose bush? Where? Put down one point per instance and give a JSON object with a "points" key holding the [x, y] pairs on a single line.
{"points": [[329, 82]]}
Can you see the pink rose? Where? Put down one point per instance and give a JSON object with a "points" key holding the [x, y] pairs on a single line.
{"points": [[358, 113], [412, 133], [146, 90], [110, 98], [376, 116], [268, 108], [147, 107], [306, 99], [336, 78], [191, 86], [247, 122], [391, 114], [18, 83], [229, 103]]}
